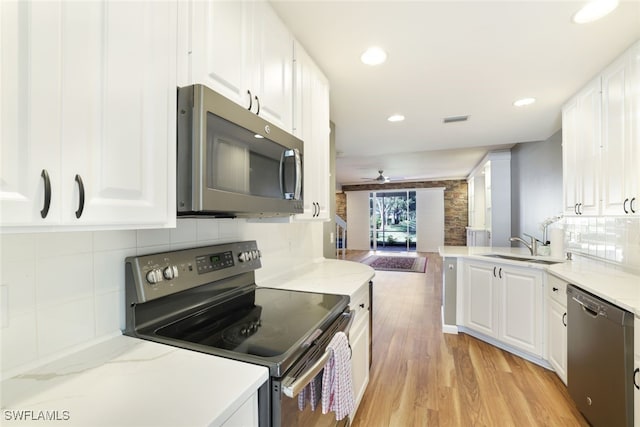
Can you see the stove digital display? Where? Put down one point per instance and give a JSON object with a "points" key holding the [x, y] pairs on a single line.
{"points": [[213, 262]]}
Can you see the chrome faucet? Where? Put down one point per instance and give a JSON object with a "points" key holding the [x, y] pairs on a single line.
{"points": [[532, 246]]}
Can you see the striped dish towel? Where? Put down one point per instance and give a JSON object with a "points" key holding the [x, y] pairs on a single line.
{"points": [[311, 392], [337, 384]]}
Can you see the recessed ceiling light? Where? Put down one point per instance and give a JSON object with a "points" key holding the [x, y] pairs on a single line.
{"points": [[373, 56], [524, 101], [396, 118], [594, 10]]}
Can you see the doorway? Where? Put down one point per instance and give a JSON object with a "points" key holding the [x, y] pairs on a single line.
{"points": [[392, 222]]}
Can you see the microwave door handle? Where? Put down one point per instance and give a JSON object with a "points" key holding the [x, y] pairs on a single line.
{"points": [[298, 190], [284, 155], [295, 153]]}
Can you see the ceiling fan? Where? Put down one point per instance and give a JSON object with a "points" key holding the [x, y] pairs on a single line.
{"points": [[380, 179]]}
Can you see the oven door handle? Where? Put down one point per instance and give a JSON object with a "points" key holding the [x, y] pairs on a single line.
{"points": [[293, 386]]}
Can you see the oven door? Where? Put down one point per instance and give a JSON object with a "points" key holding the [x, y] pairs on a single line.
{"points": [[285, 391]]}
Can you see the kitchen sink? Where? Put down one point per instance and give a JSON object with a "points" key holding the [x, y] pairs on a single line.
{"points": [[523, 259]]}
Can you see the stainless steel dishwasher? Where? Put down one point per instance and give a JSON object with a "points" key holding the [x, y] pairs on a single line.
{"points": [[599, 359]]}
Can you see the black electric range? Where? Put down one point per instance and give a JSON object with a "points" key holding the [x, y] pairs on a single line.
{"points": [[205, 299]]}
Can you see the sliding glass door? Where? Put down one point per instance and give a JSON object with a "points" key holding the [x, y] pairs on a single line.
{"points": [[393, 220]]}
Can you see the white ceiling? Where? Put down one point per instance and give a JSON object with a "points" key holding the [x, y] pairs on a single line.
{"points": [[449, 58]]}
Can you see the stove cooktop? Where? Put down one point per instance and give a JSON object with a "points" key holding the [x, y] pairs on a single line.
{"points": [[265, 322]]}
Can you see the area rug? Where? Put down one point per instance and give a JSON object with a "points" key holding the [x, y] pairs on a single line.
{"points": [[397, 263]]}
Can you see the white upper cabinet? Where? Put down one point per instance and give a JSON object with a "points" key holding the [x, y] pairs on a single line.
{"points": [[601, 142], [243, 51], [88, 114], [621, 136], [581, 136], [311, 125]]}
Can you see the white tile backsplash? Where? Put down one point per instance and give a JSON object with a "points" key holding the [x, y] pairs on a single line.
{"points": [[613, 239], [57, 244], [65, 325], [19, 341], [64, 278], [66, 289]]}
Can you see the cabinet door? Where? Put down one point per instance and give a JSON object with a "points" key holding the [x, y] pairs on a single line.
{"points": [[480, 298], [581, 141], [636, 372], [30, 126], [221, 48], [118, 103], [557, 338], [359, 340], [246, 415], [311, 124], [521, 304], [272, 66], [621, 139], [570, 166]]}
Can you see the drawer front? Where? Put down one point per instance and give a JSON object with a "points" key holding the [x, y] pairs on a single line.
{"points": [[360, 303], [557, 289]]}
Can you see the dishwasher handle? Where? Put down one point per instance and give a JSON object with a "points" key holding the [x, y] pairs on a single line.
{"points": [[586, 308]]}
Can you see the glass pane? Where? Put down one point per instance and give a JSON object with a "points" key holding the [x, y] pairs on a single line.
{"points": [[393, 220]]}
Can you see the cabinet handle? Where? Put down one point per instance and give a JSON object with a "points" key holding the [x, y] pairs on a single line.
{"points": [[631, 205], [500, 273], [81, 201], [564, 319], [250, 100], [579, 208], [624, 205], [635, 384], [575, 209], [494, 271], [362, 305], [258, 101], [554, 289], [47, 193]]}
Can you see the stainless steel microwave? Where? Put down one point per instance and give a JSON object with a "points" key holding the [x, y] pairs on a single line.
{"points": [[233, 163]]}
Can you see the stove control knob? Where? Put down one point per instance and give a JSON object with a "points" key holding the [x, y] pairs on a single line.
{"points": [[242, 257], [154, 276], [170, 272]]}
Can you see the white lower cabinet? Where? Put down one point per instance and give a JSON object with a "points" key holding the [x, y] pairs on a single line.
{"points": [[359, 341], [557, 326], [246, 415], [557, 338], [636, 372], [505, 303]]}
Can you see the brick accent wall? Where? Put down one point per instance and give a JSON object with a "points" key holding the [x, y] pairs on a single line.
{"points": [[341, 205], [455, 204]]}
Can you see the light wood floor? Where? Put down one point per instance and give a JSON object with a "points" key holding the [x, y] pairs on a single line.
{"points": [[421, 376]]}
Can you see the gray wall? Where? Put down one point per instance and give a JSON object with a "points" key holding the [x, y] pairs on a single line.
{"points": [[536, 184]]}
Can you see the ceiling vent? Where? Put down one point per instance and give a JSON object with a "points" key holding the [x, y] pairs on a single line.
{"points": [[454, 119]]}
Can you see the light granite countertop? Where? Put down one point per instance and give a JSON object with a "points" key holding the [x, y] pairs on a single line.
{"points": [[326, 276], [125, 381], [605, 280]]}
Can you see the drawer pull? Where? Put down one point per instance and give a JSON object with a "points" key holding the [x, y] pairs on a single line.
{"points": [[564, 319], [635, 384], [554, 289], [362, 305]]}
